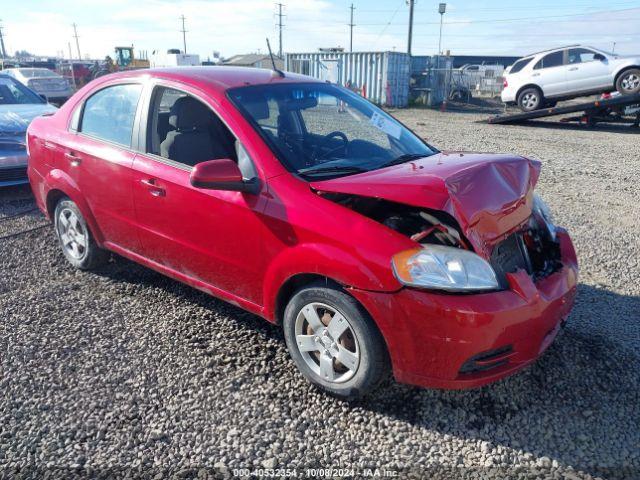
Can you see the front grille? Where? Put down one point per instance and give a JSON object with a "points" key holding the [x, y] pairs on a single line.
{"points": [[532, 250], [487, 360], [13, 174]]}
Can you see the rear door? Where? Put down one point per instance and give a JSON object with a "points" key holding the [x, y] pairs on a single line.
{"points": [[550, 74], [212, 236], [96, 153], [587, 70]]}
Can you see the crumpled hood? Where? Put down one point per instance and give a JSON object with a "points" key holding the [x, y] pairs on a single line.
{"points": [[489, 195], [16, 118]]}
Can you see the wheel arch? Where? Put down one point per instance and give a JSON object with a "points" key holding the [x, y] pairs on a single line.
{"points": [[528, 85], [622, 70], [61, 186], [295, 283]]}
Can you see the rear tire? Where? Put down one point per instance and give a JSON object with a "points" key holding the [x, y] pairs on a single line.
{"points": [[78, 245], [530, 99], [324, 327], [628, 83]]}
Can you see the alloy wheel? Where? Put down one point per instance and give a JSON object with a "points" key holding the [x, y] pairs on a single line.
{"points": [[530, 101], [73, 236], [630, 82], [327, 342]]}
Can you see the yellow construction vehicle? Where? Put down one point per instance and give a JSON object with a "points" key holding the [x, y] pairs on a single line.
{"points": [[125, 59]]}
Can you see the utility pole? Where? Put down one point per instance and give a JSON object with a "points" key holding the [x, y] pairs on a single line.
{"points": [[75, 35], [351, 25], [411, 4], [70, 56], [280, 25], [3, 51], [184, 34]]}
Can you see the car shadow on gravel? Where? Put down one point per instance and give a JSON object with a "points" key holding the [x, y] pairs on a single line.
{"points": [[577, 405]]}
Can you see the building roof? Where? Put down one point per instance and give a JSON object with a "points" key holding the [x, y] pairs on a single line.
{"points": [[248, 59]]}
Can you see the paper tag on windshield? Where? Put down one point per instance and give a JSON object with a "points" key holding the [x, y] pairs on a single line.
{"points": [[386, 125]]}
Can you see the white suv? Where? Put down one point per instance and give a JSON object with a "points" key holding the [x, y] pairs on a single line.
{"points": [[540, 80]]}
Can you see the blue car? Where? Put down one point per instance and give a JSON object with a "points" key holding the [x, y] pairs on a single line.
{"points": [[18, 106]]}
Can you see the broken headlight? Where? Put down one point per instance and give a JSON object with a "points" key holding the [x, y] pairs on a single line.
{"points": [[444, 268], [542, 211]]}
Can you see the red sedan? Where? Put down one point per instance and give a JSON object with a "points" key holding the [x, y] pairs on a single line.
{"points": [[303, 203]]}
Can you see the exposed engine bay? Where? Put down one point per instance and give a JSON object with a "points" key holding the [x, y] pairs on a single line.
{"points": [[533, 248]]}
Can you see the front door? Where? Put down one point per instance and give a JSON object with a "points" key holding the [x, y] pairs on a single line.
{"points": [[587, 70], [209, 235]]}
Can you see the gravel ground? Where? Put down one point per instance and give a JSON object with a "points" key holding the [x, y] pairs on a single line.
{"points": [[126, 373]]}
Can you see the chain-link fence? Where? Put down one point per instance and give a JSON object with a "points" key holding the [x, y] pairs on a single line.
{"points": [[434, 85]]}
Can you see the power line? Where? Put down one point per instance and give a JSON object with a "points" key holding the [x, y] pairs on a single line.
{"points": [[184, 35], [280, 25], [75, 35], [387, 25], [501, 20], [351, 25]]}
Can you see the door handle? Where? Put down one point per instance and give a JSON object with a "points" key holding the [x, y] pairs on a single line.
{"points": [[535, 75], [74, 160], [153, 188], [572, 69]]}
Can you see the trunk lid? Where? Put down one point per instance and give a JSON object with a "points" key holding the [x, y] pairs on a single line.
{"points": [[490, 195]]}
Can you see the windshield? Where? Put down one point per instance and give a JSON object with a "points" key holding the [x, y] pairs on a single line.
{"points": [[12, 93], [37, 72], [325, 130]]}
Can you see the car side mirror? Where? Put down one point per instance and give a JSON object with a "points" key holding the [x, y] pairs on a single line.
{"points": [[599, 57], [221, 174]]}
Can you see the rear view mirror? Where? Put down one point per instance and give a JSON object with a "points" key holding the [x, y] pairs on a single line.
{"points": [[222, 174]]}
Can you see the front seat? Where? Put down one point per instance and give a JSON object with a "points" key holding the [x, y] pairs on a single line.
{"points": [[190, 143]]}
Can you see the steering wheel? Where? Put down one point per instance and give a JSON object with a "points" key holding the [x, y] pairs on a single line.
{"points": [[329, 136]]}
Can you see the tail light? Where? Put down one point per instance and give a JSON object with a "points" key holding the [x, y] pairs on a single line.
{"points": [[505, 84]]}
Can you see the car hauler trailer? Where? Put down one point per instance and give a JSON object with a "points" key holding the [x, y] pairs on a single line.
{"points": [[619, 109]]}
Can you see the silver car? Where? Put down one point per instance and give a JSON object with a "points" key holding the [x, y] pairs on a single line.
{"points": [[44, 82], [18, 106], [540, 80]]}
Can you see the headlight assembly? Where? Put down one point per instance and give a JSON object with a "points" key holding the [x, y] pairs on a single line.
{"points": [[444, 268]]}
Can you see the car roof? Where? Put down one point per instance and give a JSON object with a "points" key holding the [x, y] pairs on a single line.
{"points": [[218, 77]]}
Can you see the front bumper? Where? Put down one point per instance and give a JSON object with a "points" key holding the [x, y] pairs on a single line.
{"points": [[433, 338], [13, 166]]}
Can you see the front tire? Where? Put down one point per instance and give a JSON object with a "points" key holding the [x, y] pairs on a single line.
{"points": [[77, 242], [530, 99], [334, 343], [628, 83]]}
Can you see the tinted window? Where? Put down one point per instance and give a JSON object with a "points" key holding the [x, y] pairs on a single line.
{"points": [[110, 113], [581, 55], [520, 64], [554, 59]]}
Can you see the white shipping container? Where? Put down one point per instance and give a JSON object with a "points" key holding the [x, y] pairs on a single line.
{"points": [[174, 60]]}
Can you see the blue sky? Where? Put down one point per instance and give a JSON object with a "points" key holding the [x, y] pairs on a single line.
{"points": [[240, 26]]}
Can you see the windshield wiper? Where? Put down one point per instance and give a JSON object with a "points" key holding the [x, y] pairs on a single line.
{"points": [[404, 158], [332, 169]]}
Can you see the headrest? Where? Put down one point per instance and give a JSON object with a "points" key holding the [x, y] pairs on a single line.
{"points": [[257, 105], [187, 113]]}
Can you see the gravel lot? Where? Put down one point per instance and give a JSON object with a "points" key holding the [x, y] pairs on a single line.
{"points": [[126, 373]]}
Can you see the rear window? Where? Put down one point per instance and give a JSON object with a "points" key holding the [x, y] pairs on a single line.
{"points": [[37, 72], [520, 64], [554, 59]]}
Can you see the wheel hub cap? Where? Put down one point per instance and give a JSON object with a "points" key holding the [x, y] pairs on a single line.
{"points": [[327, 342], [72, 235]]}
